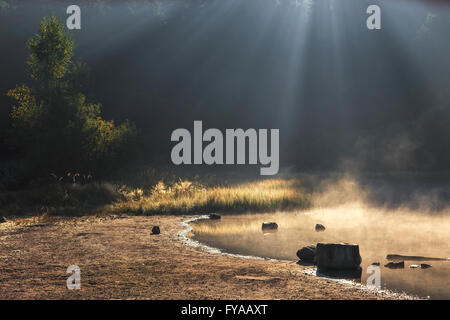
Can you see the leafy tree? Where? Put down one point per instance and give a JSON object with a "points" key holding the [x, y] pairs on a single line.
{"points": [[53, 125]]}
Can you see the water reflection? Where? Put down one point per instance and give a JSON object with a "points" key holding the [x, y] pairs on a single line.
{"points": [[378, 233]]}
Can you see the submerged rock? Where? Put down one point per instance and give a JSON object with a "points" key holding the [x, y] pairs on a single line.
{"points": [[307, 254], [338, 256], [400, 257], [155, 230], [214, 216], [425, 265], [395, 265], [320, 227], [269, 226]]}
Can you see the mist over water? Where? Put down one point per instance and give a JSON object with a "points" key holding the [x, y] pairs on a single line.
{"points": [[349, 217], [344, 98]]}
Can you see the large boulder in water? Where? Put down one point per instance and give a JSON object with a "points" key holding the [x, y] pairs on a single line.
{"points": [[337, 256], [340, 273], [307, 254]]}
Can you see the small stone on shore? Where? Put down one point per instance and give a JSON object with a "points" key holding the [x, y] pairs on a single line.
{"points": [[156, 230]]}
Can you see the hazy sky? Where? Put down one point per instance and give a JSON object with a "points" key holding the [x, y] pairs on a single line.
{"points": [[343, 96]]}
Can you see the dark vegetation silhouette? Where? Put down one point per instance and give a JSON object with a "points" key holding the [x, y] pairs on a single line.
{"points": [[54, 127]]}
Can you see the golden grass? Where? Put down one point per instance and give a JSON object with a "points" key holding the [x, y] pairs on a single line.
{"points": [[151, 192], [185, 197]]}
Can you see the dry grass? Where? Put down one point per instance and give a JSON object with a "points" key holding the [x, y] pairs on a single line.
{"points": [[185, 197], [150, 192]]}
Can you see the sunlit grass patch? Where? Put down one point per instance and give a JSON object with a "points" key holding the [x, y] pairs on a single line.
{"points": [[152, 192], [185, 197]]}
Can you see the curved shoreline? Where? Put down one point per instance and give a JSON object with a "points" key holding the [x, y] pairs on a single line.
{"points": [[119, 258], [311, 271]]}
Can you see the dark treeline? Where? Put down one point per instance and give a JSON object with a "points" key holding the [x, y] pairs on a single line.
{"points": [[343, 97]]}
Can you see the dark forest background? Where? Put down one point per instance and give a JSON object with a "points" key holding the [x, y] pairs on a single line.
{"points": [[344, 97]]}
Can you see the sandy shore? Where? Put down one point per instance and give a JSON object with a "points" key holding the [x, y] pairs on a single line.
{"points": [[119, 259]]}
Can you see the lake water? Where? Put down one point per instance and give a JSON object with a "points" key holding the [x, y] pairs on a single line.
{"points": [[378, 233]]}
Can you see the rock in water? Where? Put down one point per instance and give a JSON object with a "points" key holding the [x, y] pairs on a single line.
{"points": [[155, 230], [320, 227], [269, 226], [395, 265], [341, 273], [214, 216], [307, 254], [400, 257], [425, 265], [2, 220], [337, 256]]}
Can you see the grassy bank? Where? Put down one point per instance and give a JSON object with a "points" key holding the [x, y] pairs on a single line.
{"points": [[185, 197], [155, 194]]}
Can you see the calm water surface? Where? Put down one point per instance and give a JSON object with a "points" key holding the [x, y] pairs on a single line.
{"points": [[377, 232]]}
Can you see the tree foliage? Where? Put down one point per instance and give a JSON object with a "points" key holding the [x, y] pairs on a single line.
{"points": [[53, 125], [51, 51]]}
